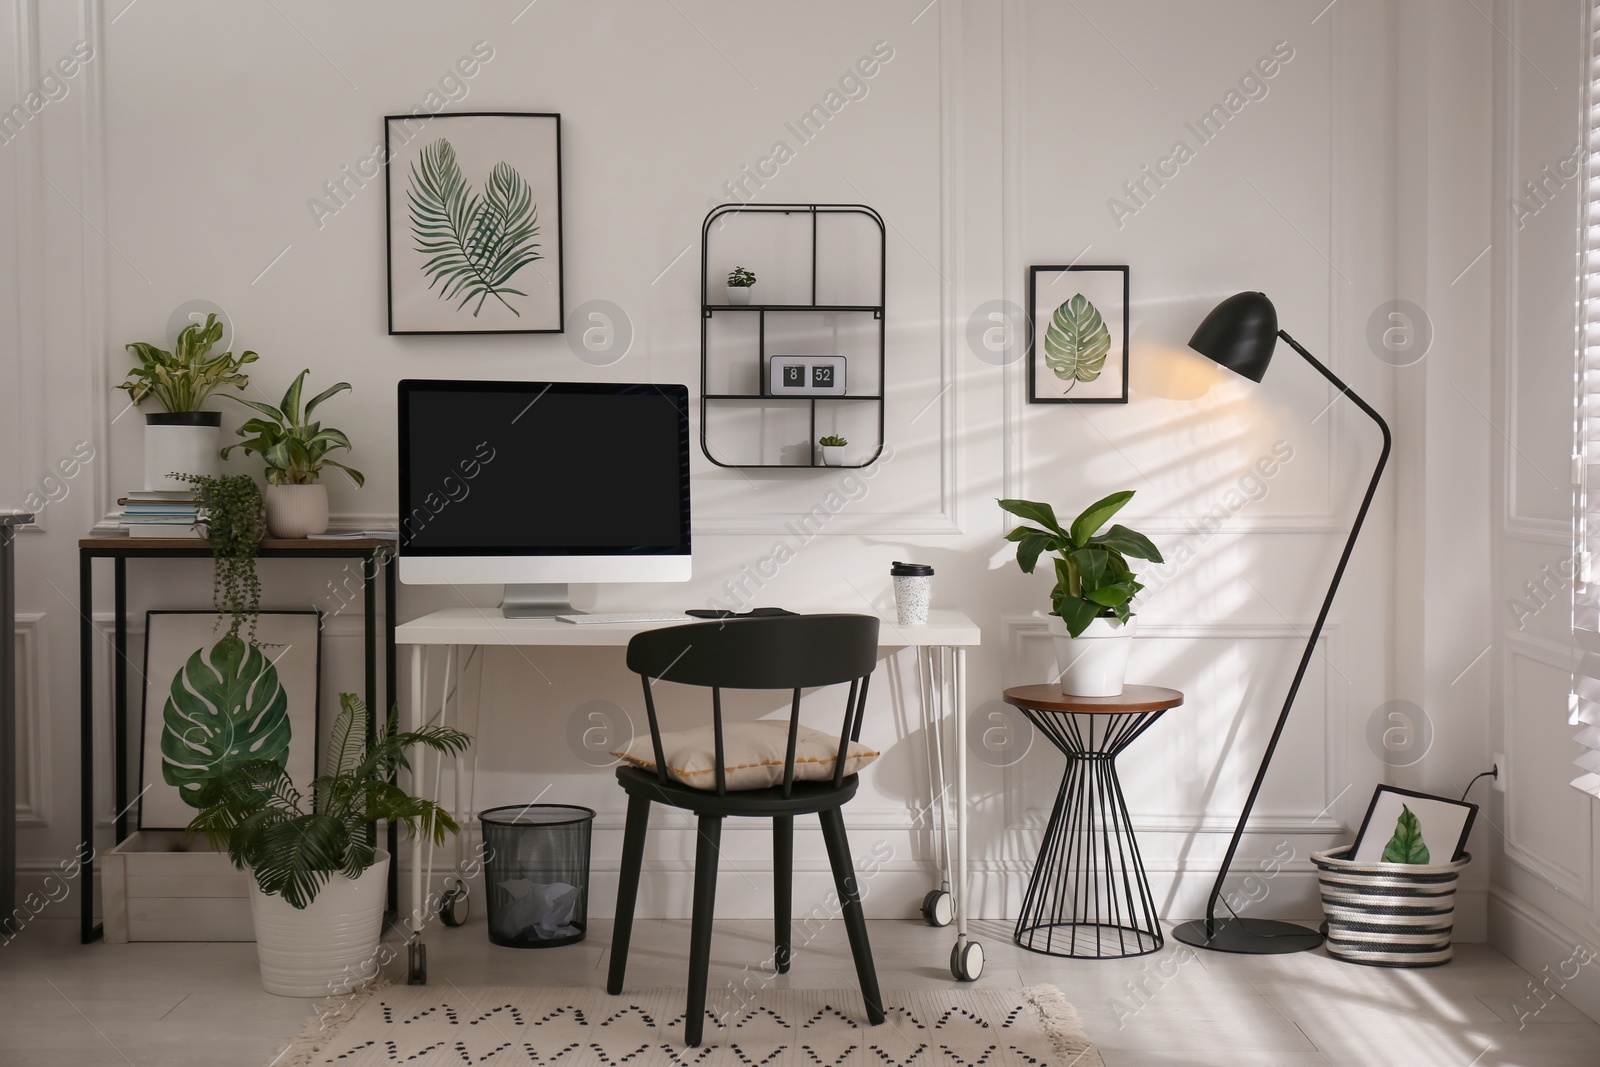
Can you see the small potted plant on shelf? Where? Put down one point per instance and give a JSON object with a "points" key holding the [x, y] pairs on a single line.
{"points": [[318, 877], [181, 437], [1090, 617], [833, 447], [739, 283], [295, 450]]}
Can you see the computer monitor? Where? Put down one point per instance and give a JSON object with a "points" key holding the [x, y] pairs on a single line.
{"points": [[537, 484]]}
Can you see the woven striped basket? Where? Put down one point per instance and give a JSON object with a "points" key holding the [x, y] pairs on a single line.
{"points": [[1388, 914]]}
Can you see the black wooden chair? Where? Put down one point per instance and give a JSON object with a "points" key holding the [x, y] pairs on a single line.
{"points": [[786, 652]]}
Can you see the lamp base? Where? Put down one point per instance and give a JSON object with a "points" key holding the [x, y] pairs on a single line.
{"points": [[1252, 937]]}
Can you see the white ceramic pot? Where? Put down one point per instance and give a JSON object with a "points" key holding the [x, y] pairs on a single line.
{"points": [[295, 511], [329, 947], [181, 442], [832, 455], [1094, 663], [738, 294]]}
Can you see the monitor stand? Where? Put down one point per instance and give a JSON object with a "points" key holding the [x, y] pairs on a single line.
{"points": [[537, 601]]}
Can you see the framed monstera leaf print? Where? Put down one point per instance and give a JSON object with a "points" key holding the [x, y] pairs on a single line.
{"points": [[1078, 335], [474, 226], [212, 701]]}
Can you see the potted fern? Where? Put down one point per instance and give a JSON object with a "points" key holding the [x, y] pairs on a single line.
{"points": [[318, 877], [295, 450], [740, 281], [1090, 614], [181, 437]]}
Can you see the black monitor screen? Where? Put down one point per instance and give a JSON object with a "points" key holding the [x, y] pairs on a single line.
{"points": [[544, 468]]}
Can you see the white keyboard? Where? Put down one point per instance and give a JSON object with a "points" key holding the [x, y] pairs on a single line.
{"points": [[625, 617]]}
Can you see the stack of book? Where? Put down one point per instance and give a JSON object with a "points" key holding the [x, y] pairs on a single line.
{"points": [[159, 513]]}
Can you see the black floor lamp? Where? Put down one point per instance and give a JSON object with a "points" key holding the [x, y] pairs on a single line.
{"points": [[1240, 334]]}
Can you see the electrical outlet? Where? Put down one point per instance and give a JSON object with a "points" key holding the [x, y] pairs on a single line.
{"points": [[1503, 766]]}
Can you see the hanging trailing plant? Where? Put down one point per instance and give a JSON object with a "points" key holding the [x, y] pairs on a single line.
{"points": [[236, 520]]}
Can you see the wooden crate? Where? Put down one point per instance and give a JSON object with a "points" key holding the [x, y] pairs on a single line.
{"points": [[159, 887]]}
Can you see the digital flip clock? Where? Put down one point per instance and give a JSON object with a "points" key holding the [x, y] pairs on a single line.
{"points": [[807, 376]]}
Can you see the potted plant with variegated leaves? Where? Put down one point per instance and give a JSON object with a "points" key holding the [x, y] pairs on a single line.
{"points": [[295, 450], [181, 438], [740, 282]]}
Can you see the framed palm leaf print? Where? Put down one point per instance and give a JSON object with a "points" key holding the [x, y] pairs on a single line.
{"points": [[474, 223], [1078, 335]]}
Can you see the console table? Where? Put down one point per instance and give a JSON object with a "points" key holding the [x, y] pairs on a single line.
{"points": [[941, 646], [8, 714], [1089, 897], [375, 555]]}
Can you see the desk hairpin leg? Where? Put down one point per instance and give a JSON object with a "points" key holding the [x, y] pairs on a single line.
{"points": [[938, 906], [416, 951]]}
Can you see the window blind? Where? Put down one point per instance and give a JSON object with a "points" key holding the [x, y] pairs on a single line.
{"points": [[1584, 705]]}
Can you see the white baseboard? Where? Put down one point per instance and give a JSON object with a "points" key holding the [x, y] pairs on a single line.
{"points": [[1544, 946]]}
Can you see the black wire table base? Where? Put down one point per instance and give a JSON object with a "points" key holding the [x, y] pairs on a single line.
{"points": [[1089, 897]]}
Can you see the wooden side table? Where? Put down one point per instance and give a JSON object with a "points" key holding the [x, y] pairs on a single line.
{"points": [[1089, 897]]}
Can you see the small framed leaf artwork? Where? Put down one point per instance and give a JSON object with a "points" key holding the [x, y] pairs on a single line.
{"points": [[1406, 827], [474, 223], [212, 702], [1078, 335]]}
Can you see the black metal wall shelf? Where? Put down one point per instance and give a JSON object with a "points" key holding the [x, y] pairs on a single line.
{"points": [[708, 310]]}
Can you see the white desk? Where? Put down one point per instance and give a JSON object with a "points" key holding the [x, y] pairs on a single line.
{"points": [[941, 671]]}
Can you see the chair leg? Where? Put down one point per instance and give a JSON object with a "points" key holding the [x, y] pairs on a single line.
{"points": [[783, 889], [705, 901], [627, 889], [855, 920]]}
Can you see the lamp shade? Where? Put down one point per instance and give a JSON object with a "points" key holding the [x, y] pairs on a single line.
{"points": [[1240, 334]]}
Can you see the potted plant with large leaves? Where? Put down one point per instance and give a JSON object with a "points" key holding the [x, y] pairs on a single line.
{"points": [[1091, 617], [181, 437], [295, 450], [318, 877]]}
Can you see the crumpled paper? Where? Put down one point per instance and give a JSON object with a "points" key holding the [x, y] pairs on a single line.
{"points": [[534, 909]]}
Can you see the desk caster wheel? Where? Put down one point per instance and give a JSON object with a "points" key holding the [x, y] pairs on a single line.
{"points": [[966, 961], [416, 964], [938, 909], [454, 906]]}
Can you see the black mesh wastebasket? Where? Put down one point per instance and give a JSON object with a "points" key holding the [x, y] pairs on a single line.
{"points": [[537, 872]]}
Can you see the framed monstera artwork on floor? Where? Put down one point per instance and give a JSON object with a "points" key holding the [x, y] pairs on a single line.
{"points": [[1078, 335], [474, 222], [213, 701]]}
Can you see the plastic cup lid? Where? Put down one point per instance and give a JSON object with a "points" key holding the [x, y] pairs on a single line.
{"points": [[910, 570]]}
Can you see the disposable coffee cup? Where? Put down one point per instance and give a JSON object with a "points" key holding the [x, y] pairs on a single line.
{"points": [[913, 587]]}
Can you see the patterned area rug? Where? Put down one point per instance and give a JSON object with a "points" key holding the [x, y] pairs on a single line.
{"points": [[445, 1024]]}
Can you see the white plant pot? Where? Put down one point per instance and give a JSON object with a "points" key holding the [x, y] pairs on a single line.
{"points": [[1094, 663], [738, 294], [833, 455], [332, 945], [295, 511], [181, 442]]}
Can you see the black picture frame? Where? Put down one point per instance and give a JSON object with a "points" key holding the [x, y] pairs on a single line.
{"points": [[145, 709], [1377, 796], [433, 127], [1119, 396]]}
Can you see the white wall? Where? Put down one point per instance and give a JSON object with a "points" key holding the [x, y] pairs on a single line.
{"points": [[181, 161], [1546, 844]]}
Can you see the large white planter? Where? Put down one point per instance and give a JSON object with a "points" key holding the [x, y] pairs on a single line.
{"points": [[1094, 663], [329, 947], [295, 511], [182, 442]]}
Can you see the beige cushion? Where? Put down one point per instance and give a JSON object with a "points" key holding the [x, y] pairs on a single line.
{"points": [[753, 754]]}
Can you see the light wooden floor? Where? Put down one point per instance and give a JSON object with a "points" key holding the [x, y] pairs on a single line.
{"points": [[200, 1004]]}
